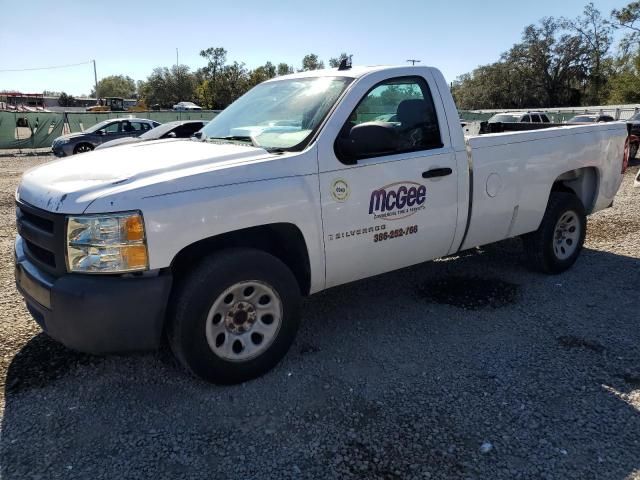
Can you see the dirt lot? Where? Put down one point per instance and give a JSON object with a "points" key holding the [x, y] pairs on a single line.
{"points": [[461, 368]]}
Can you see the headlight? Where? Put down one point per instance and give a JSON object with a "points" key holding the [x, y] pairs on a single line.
{"points": [[61, 141], [110, 243]]}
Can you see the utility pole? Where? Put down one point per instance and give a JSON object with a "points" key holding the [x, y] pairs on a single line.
{"points": [[95, 78], [177, 63], [413, 61]]}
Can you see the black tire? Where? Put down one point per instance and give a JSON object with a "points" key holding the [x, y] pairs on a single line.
{"points": [[195, 296], [539, 245], [82, 148], [633, 151]]}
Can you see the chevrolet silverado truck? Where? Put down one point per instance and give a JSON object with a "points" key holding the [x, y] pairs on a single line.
{"points": [[298, 186]]}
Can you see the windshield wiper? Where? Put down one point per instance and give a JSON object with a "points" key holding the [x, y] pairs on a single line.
{"points": [[239, 138]]}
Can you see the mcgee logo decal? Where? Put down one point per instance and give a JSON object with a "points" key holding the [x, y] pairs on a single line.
{"points": [[397, 200]]}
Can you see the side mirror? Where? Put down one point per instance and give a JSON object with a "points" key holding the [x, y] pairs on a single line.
{"points": [[171, 135], [365, 140], [197, 136]]}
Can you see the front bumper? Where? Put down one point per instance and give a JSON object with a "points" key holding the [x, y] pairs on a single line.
{"points": [[91, 313], [61, 150]]}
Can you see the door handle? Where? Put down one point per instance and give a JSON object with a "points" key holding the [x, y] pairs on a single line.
{"points": [[437, 172]]}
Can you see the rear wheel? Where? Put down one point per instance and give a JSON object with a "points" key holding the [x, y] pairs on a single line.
{"points": [[82, 148], [555, 246], [235, 316]]}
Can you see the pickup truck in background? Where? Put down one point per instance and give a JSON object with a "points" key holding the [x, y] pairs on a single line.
{"points": [[520, 117], [299, 186]]}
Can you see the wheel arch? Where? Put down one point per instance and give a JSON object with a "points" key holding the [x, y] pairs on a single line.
{"points": [[582, 182], [284, 241]]}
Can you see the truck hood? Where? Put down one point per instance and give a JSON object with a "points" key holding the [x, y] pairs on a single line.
{"points": [[71, 185]]}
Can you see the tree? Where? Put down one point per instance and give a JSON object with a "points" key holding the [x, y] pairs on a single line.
{"points": [[216, 58], [553, 60], [166, 87], [628, 19], [311, 62], [596, 34], [260, 74], [284, 69], [65, 100], [335, 62], [116, 86], [624, 84]]}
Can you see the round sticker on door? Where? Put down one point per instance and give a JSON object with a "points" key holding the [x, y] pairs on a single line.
{"points": [[340, 190]]}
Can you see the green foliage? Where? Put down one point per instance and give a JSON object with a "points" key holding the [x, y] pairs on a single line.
{"points": [[335, 62], [624, 84], [65, 100], [559, 62], [166, 87], [284, 69], [627, 19], [311, 62], [215, 85], [116, 86]]}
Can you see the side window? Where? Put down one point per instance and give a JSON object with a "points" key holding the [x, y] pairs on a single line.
{"points": [[526, 118], [192, 128], [395, 116], [145, 127], [545, 119], [536, 118], [112, 128], [131, 127]]}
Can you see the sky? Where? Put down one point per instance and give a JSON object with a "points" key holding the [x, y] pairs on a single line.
{"points": [[131, 38]]}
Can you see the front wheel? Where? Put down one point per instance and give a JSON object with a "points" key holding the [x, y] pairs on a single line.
{"points": [[235, 316], [555, 246], [82, 148]]}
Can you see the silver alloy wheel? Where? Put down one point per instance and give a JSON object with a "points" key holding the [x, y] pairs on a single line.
{"points": [[244, 321], [566, 235]]}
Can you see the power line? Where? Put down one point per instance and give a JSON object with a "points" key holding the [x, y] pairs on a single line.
{"points": [[44, 68]]}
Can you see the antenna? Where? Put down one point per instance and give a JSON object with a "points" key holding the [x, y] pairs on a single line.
{"points": [[345, 63], [414, 61]]}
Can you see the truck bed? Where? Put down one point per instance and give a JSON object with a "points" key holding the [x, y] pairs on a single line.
{"points": [[512, 173]]}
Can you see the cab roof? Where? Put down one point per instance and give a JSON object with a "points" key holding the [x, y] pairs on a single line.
{"points": [[353, 72]]}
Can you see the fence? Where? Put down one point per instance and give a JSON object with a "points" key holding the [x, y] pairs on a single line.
{"points": [[20, 130], [559, 115]]}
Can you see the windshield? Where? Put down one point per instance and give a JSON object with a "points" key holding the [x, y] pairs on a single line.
{"points": [[98, 126], [278, 115], [504, 117], [636, 117]]}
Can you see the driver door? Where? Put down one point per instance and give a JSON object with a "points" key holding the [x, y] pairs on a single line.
{"points": [[390, 199]]}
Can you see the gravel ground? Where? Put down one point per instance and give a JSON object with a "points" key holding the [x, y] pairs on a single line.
{"points": [[470, 367]]}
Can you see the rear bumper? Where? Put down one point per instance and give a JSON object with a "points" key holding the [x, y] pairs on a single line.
{"points": [[95, 314]]}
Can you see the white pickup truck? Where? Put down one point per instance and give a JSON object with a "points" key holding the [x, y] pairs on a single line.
{"points": [[308, 181]]}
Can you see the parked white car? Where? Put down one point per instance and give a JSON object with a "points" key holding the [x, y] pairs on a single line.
{"points": [[186, 106], [293, 190]]}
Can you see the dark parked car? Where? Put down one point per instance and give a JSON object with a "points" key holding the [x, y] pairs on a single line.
{"points": [[634, 130], [590, 118], [520, 117], [101, 133], [178, 129]]}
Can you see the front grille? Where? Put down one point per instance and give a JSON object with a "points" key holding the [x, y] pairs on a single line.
{"points": [[43, 235], [40, 222], [41, 254]]}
